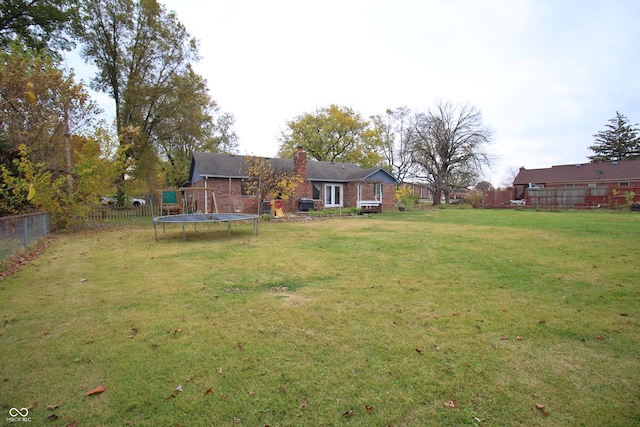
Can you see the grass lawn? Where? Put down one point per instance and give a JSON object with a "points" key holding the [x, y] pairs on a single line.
{"points": [[432, 317]]}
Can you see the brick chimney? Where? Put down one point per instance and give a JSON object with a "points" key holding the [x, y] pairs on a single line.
{"points": [[300, 169], [300, 163]]}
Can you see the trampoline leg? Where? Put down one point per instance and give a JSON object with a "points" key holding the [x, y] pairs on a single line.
{"points": [[155, 231]]}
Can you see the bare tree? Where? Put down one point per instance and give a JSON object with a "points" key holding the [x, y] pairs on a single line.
{"points": [[448, 146], [392, 129], [510, 175]]}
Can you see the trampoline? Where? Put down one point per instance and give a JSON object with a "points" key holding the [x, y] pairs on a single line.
{"points": [[203, 218]]}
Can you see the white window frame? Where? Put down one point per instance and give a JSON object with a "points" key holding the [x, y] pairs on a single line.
{"points": [[330, 195], [378, 191]]}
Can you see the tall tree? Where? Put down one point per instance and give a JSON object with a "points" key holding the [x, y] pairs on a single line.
{"points": [[51, 157], [392, 129], [37, 24], [333, 133], [619, 141], [41, 107], [144, 54], [191, 122], [448, 146]]}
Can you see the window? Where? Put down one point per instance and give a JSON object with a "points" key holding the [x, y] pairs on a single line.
{"points": [[332, 195], [592, 184], [316, 189], [623, 184], [378, 191]]}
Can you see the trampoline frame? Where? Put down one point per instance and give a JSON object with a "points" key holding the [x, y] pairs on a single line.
{"points": [[203, 218]]}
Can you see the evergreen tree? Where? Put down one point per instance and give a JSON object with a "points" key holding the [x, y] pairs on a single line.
{"points": [[619, 141]]}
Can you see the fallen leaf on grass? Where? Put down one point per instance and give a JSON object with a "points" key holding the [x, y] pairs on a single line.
{"points": [[304, 403], [170, 397], [540, 407], [504, 338], [478, 420], [349, 413], [240, 346], [451, 404], [89, 342], [96, 390], [519, 338], [178, 389], [624, 314], [207, 391], [600, 337], [73, 423], [418, 351], [83, 280], [220, 371], [52, 407], [52, 417], [368, 408]]}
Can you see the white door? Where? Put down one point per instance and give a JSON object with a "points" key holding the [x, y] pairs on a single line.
{"points": [[332, 195]]}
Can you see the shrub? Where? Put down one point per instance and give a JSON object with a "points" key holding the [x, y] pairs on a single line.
{"points": [[474, 198]]}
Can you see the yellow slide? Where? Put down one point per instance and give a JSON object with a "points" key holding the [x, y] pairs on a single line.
{"points": [[279, 213]]}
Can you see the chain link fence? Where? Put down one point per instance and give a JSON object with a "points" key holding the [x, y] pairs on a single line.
{"points": [[21, 231]]}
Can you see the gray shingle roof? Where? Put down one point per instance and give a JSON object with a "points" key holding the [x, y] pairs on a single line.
{"points": [[216, 165], [627, 170]]}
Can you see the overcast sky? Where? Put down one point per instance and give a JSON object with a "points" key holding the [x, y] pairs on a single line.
{"points": [[546, 74]]}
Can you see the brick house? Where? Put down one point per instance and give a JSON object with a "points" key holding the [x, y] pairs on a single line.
{"points": [[579, 185], [329, 184]]}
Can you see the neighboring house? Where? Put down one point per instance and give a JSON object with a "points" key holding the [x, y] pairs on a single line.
{"points": [[579, 185], [330, 185]]}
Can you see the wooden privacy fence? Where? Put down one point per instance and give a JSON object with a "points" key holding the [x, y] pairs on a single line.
{"points": [[579, 197]]}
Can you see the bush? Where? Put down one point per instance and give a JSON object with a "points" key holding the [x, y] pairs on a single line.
{"points": [[474, 198]]}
